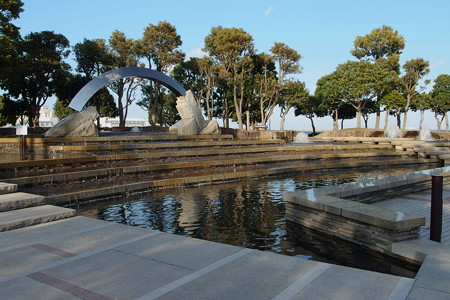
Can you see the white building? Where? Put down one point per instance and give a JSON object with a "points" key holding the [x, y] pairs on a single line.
{"points": [[46, 117], [130, 122]]}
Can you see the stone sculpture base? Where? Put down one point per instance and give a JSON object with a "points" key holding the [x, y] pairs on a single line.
{"points": [[192, 121]]}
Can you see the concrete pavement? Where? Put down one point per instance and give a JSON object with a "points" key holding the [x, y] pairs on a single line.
{"points": [[92, 259]]}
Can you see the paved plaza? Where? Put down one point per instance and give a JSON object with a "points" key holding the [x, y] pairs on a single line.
{"points": [[84, 258]]}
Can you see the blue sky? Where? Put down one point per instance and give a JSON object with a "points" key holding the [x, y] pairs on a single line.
{"points": [[321, 31]]}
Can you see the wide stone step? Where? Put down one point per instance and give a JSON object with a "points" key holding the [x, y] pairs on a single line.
{"points": [[19, 200], [6, 188], [429, 149], [19, 218], [437, 153]]}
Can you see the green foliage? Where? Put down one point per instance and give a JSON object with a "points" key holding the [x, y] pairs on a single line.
{"points": [[287, 60], [382, 45], [92, 57], [170, 114], [440, 96], [232, 49], [160, 45], [38, 71], [8, 109], [394, 102], [9, 34]]}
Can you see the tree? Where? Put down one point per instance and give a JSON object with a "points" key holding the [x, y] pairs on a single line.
{"points": [[358, 79], [9, 36], [199, 75], [92, 57], [288, 62], [352, 83], [8, 111], [125, 54], [440, 97], [395, 103], [293, 94], [330, 93], [415, 69], [310, 108], [421, 103], [346, 112], [382, 46], [232, 48], [160, 45], [38, 71], [263, 85]]}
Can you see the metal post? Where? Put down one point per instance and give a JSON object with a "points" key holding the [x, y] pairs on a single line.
{"points": [[436, 208]]}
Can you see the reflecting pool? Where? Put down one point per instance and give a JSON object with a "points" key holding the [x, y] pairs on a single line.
{"points": [[247, 213]]}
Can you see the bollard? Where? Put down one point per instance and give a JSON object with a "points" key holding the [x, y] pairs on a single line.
{"points": [[436, 208]]}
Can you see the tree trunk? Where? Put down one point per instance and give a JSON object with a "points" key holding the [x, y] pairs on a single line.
{"points": [[378, 115], [405, 119], [446, 121], [247, 115], [377, 119], [312, 126], [421, 119], [399, 122], [438, 121], [207, 96], [358, 119], [283, 117], [119, 102], [405, 113], [225, 114], [236, 105], [386, 119], [336, 120]]}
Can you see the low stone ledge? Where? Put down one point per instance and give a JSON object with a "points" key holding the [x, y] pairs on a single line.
{"points": [[355, 211], [324, 209]]}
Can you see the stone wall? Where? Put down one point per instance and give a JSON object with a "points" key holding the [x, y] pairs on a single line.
{"points": [[371, 236]]}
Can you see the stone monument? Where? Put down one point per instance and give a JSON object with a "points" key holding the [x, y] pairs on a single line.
{"points": [[192, 121], [79, 124]]}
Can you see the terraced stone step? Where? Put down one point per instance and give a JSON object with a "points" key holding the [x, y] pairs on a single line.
{"points": [[6, 188], [188, 153], [19, 200], [430, 149], [19, 218], [151, 145], [71, 175], [106, 190]]}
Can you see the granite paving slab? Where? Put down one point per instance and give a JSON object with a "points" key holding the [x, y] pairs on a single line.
{"points": [[27, 288], [347, 283], [178, 250], [257, 275], [118, 275]]}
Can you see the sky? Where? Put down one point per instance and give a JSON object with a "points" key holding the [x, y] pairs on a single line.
{"points": [[323, 32]]}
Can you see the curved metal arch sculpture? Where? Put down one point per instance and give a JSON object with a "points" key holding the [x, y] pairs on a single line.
{"points": [[83, 96]]}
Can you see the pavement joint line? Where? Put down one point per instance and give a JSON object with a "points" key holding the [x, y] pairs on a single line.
{"points": [[77, 257], [67, 287], [31, 243], [298, 285], [401, 289], [188, 278]]}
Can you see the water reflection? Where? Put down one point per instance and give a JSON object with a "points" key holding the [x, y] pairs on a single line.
{"points": [[246, 213]]}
